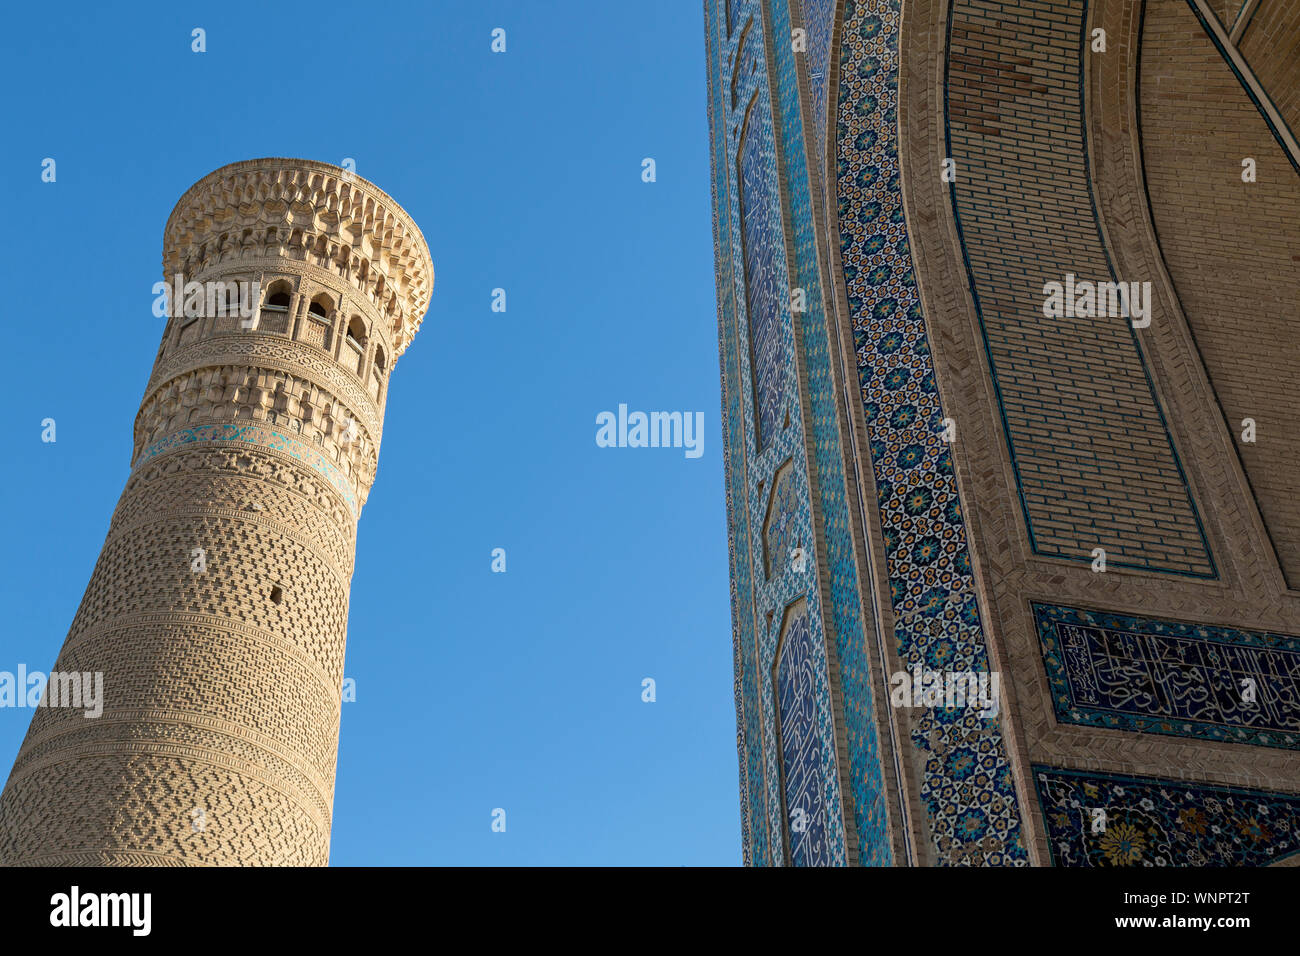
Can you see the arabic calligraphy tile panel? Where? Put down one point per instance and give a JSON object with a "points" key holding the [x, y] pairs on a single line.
{"points": [[802, 762], [1187, 680]]}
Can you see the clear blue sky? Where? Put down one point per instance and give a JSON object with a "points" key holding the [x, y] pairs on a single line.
{"points": [[475, 690]]}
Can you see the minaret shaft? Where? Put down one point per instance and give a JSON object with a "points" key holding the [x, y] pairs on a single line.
{"points": [[217, 611]]}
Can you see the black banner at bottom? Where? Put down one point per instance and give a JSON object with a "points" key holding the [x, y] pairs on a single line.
{"points": [[338, 905]]}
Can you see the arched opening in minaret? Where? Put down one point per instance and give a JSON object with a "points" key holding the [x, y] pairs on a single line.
{"points": [[356, 339], [274, 316], [357, 332], [317, 330]]}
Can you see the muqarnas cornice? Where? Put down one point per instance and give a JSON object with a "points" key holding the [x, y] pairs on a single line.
{"points": [[324, 215]]}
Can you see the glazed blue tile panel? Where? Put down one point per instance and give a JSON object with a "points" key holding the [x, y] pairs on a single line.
{"points": [[819, 21], [758, 200], [1154, 822], [801, 757], [748, 735], [781, 531], [1148, 676], [966, 788], [865, 774], [749, 61], [755, 470], [783, 449]]}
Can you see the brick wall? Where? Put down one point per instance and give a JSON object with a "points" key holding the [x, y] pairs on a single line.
{"points": [[1238, 281], [1095, 463], [1271, 45]]}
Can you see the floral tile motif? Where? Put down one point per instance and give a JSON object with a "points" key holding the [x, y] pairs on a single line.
{"points": [[1096, 819], [967, 788], [1187, 680]]}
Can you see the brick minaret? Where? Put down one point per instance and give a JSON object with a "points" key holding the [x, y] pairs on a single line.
{"points": [[218, 607]]}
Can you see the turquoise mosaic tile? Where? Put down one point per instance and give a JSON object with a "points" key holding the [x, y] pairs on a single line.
{"points": [[865, 773], [748, 736], [253, 434], [748, 178]]}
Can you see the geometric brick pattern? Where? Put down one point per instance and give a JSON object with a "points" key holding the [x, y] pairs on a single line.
{"points": [[246, 434], [1238, 285], [277, 494], [237, 394], [1271, 45], [140, 812], [217, 610], [146, 569], [1095, 464], [267, 353]]}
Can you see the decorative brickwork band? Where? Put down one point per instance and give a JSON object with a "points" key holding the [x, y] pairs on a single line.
{"points": [[217, 611]]}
